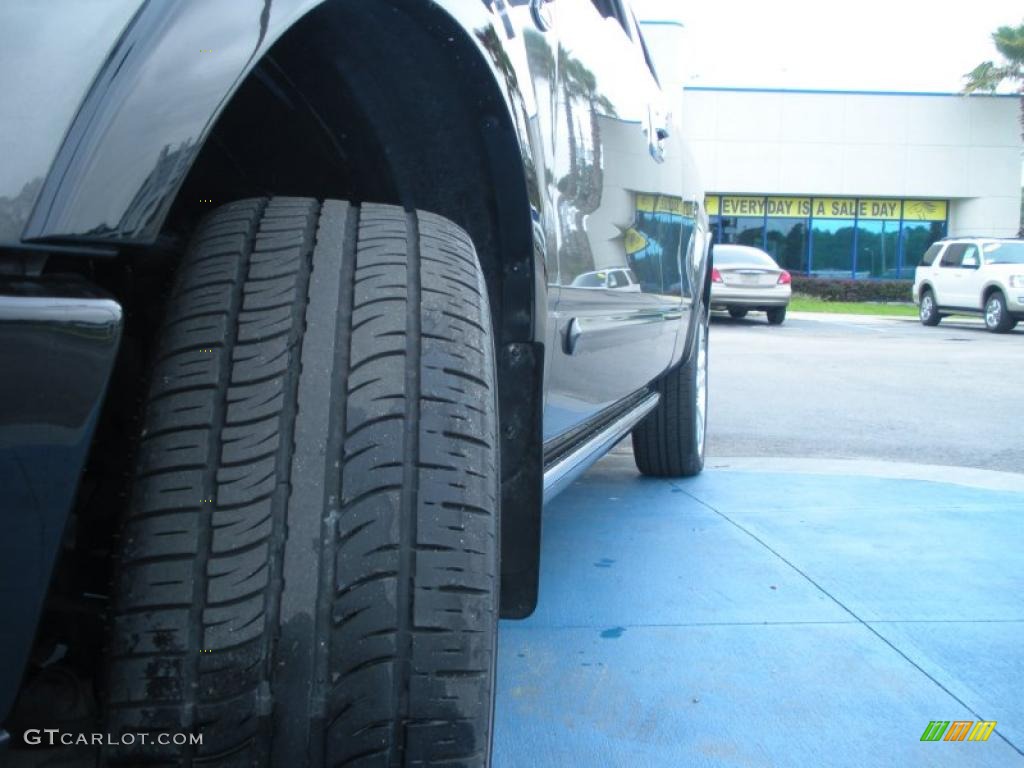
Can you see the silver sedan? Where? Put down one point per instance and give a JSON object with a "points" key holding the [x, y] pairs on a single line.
{"points": [[746, 278]]}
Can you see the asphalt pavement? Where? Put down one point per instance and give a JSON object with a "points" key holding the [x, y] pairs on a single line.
{"points": [[843, 386]]}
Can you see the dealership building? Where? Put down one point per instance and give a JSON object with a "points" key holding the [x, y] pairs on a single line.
{"points": [[854, 184]]}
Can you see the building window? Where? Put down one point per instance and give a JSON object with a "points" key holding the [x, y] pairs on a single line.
{"points": [[786, 242], [878, 248], [832, 247], [743, 230], [832, 236], [917, 236]]}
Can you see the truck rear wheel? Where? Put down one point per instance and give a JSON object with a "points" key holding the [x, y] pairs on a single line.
{"points": [[308, 570], [669, 442]]}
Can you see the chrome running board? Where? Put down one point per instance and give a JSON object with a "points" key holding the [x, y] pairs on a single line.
{"points": [[577, 461]]}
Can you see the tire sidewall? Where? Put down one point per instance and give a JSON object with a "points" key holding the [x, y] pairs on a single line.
{"points": [[698, 433], [1001, 323], [927, 311]]}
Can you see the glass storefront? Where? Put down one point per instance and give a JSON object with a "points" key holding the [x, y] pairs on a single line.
{"points": [[786, 242], [915, 238], [877, 253], [831, 248], [744, 230], [832, 236]]}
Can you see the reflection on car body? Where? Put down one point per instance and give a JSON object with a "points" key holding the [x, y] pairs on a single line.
{"points": [[612, 279]]}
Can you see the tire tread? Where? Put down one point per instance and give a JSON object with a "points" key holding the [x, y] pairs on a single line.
{"points": [[402, 643]]}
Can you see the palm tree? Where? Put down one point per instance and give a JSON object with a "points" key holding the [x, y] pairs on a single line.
{"points": [[988, 75]]}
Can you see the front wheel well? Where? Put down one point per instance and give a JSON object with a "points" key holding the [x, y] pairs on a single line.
{"points": [[989, 290], [395, 102], [388, 102]]}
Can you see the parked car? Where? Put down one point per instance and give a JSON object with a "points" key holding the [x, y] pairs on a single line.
{"points": [[293, 353], [745, 278], [972, 276], [612, 279]]}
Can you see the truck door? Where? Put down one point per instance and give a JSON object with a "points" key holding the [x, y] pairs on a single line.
{"points": [[620, 205], [949, 276]]}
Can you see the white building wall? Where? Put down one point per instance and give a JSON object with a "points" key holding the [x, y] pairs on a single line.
{"points": [[964, 149]]}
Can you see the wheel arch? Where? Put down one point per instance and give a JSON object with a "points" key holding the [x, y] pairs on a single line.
{"points": [[408, 102], [988, 290]]}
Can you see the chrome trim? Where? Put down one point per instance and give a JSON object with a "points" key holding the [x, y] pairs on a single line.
{"points": [[576, 462]]}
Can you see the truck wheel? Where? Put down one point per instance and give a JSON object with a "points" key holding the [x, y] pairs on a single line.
{"points": [[669, 442], [997, 317], [308, 571], [928, 312]]}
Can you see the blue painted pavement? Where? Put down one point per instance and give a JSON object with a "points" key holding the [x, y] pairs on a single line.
{"points": [[746, 618]]}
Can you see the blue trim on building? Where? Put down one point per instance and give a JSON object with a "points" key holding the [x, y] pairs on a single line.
{"points": [[730, 89], [856, 227], [661, 23]]}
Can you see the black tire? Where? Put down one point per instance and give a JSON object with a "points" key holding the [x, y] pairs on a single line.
{"points": [[776, 316], [928, 312], [737, 313], [308, 570], [670, 440], [997, 317]]}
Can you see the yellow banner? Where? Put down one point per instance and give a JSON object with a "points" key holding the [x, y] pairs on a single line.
{"points": [[674, 206], [834, 207], [789, 207], [924, 210], [670, 205], [818, 207], [634, 241], [878, 209], [742, 206]]}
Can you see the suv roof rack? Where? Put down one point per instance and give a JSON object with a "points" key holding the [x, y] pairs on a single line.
{"points": [[974, 237]]}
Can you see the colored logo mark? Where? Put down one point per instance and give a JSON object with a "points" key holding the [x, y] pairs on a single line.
{"points": [[958, 730]]}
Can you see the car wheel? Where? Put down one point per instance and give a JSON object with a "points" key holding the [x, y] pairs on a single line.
{"points": [[669, 442], [997, 318], [776, 316], [308, 568], [928, 312], [737, 313]]}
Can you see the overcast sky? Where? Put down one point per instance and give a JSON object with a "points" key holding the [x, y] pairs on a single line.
{"points": [[892, 45]]}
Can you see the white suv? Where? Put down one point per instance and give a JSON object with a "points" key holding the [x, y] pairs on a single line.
{"points": [[973, 276]]}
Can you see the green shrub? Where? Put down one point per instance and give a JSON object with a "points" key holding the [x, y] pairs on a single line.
{"points": [[836, 289]]}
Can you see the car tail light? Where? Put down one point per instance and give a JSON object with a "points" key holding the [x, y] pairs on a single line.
{"points": [[716, 276], [785, 278]]}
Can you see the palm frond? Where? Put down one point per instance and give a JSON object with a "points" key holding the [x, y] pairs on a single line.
{"points": [[984, 77], [1010, 43]]}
